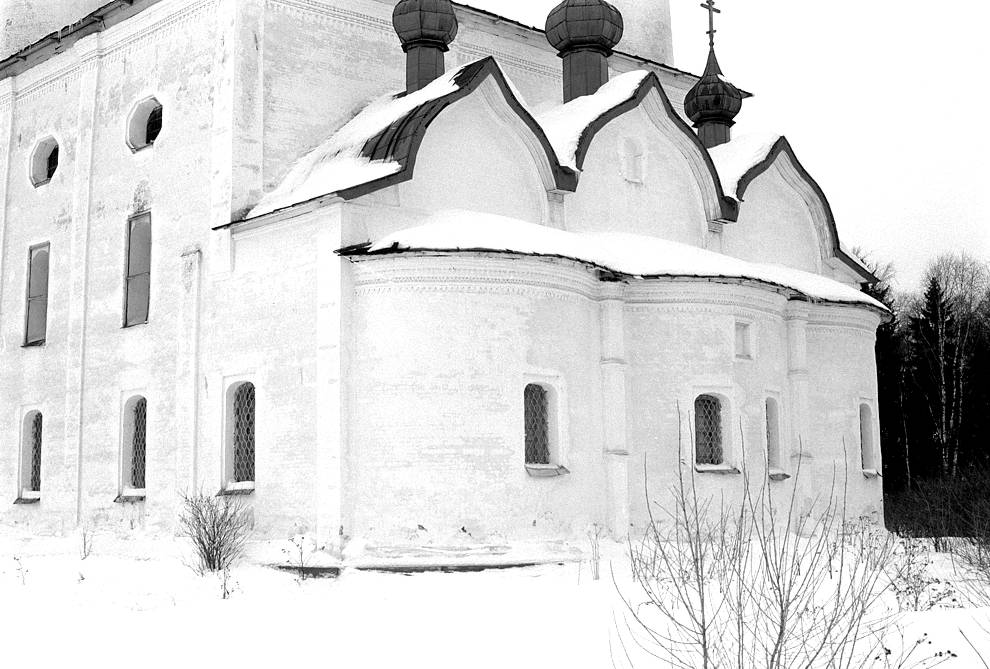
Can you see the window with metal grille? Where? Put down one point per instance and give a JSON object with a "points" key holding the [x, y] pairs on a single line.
{"points": [[866, 437], [773, 434], [138, 288], [36, 310], [536, 409], [243, 433], [153, 126], [139, 441], [32, 444], [708, 430]]}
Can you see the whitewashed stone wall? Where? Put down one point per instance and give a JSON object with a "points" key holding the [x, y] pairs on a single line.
{"points": [[436, 432], [356, 436]]}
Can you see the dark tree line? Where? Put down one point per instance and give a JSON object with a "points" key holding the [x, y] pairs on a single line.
{"points": [[933, 365]]}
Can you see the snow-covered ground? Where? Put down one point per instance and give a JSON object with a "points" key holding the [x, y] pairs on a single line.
{"points": [[135, 602]]}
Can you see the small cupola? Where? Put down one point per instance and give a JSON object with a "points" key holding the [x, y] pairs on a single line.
{"points": [[426, 28], [584, 32], [713, 103]]}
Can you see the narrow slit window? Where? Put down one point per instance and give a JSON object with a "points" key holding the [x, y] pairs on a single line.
{"points": [[867, 447], [773, 434], [138, 288], [536, 405], [32, 443], [36, 316], [708, 430], [139, 441], [243, 446]]}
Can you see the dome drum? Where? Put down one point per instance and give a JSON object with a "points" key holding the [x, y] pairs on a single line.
{"points": [[584, 32], [425, 28]]}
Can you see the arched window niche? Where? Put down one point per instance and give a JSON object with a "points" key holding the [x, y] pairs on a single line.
{"points": [[775, 464], [633, 158], [712, 429], [867, 441], [134, 450], [44, 161], [239, 439], [144, 124], [542, 429], [29, 476]]}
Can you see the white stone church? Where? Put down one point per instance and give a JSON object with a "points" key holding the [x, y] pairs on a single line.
{"points": [[407, 273]]}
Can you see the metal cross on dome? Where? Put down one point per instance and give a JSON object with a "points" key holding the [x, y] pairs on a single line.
{"points": [[712, 11]]}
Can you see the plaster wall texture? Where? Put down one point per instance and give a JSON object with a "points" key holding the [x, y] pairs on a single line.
{"points": [[663, 201], [436, 426], [89, 364], [775, 225]]}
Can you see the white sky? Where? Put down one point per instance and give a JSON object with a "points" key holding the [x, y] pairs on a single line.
{"points": [[884, 103]]}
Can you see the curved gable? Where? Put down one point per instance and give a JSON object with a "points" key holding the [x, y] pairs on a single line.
{"points": [[379, 147], [614, 100], [781, 157], [491, 171], [401, 140]]}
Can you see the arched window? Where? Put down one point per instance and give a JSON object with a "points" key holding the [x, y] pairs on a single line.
{"points": [[708, 430], [773, 435], [31, 443], [44, 161], [144, 124], [536, 407], [867, 447], [135, 447], [241, 430]]}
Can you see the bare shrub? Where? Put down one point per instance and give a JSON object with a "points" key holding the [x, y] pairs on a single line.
{"points": [[594, 539], [85, 543], [755, 582], [911, 580], [218, 527]]}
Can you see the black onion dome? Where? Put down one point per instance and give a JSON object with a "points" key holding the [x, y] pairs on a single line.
{"points": [[425, 21], [584, 23], [713, 98]]}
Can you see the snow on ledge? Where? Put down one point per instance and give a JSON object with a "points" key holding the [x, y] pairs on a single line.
{"points": [[737, 157], [338, 163], [567, 123], [635, 255]]}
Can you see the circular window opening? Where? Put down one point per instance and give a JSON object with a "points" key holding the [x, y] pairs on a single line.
{"points": [[145, 124], [44, 161]]}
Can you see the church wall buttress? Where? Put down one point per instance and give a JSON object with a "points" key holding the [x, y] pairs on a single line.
{"points": [[76, 353], [614, 407]]}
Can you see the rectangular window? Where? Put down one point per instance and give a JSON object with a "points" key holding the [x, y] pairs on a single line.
{"points": [[36, 315], [138, 288]]}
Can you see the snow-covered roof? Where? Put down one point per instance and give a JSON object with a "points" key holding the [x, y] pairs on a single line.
{"points": [[566, 124], [380, 143], [339, 162], [622, 253], [737, 157]]}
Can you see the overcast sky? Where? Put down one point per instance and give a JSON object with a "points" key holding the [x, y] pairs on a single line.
{"points": [[884, 103]]}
